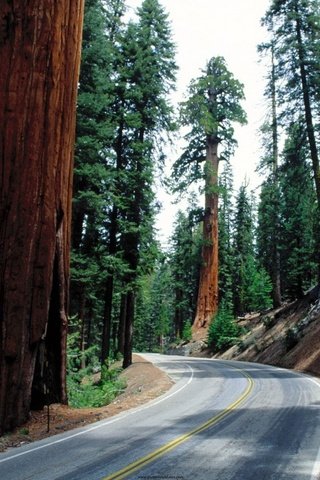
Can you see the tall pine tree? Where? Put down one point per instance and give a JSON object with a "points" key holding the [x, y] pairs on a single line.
{"points": [[270, 248], [251, 285], [298, 216], [152, 74], [295, 29], [93, 163], [185, 266], [226, 251]]}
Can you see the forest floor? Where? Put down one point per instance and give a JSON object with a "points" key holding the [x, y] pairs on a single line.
{"points": [[144, 382]]}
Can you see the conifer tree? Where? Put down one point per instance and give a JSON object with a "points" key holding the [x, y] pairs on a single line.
{"points": [[212, 106], [226, 252], [270, 247], [243, 247], [269, 233], [117, 89], [295, 29], [151, 74], [251, 284], [185, 266], [123, 109], [93, 161], [223, 332], [298, 214], [154, 311]]}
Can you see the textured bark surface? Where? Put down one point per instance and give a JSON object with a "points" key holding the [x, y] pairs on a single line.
{"points": [[40, 43], [207, 303]]}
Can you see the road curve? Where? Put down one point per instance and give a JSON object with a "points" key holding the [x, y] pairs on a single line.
{"points": [[221, 421]]}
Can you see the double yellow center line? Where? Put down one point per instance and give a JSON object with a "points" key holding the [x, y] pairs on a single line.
{"points": [[142, 462]]}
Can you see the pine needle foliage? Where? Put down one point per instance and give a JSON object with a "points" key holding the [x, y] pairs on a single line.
{"points": [[223, 331]]}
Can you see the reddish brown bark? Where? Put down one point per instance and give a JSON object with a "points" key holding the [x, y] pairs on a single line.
{"points": [[40, 55], [207, 303]]}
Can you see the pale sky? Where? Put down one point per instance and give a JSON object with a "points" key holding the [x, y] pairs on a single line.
{"points": [[230, 28]]}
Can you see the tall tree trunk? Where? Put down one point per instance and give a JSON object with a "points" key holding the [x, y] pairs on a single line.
{"points": [[82, 319], [107, 317], [128, 336], [131, 245], [307, 106], [108, 299], [122, 321], [40, 56], [309, 121], [177, 315], [276, 271], [207, 303]]}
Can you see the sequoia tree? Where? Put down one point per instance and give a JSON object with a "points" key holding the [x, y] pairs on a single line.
{"points": [[40, 56], [212, 107]]}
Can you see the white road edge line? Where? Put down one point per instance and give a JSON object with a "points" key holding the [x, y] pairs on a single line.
{"points": [[108, 422], [315, 475]]}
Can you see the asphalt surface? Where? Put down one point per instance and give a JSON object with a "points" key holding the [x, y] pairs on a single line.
{"points": [[221, 421]]}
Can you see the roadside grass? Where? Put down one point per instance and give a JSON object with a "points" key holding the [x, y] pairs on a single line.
{"points": [[88, 390]]}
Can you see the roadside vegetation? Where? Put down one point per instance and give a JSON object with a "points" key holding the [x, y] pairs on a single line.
{"points": [[89, 383]]}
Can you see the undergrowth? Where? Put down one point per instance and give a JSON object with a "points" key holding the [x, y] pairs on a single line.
{"points": [[89, 385], [223, 331], [85, 392]]}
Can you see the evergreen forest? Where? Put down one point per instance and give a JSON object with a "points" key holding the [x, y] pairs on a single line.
{"points": [[126, 292], [232, 250]]}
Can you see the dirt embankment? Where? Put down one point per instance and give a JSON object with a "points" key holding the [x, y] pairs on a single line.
{"points": [[287, 337]]}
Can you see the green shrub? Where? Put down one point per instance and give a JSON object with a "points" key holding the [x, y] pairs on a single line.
{"points": [[269, 321], [89, 394], [292, 337], [257, 287], [187, 331], [83, 389], [223, 331]]}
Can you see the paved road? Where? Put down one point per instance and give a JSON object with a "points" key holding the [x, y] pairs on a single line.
{"points": [[221, 421]]}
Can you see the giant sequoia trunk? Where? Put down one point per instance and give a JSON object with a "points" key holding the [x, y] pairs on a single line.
{"points": [[207, 303], [40, 52]]}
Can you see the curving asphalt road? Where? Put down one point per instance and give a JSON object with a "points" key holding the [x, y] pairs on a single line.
{"points": [[221, 421]]}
